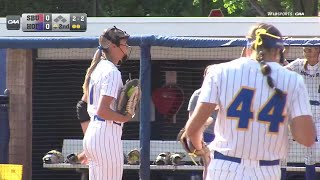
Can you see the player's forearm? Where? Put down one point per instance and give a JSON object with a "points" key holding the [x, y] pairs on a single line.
{"points": [[194, 126], [303, 130], [195, 137], [194, 132], [109, 114]]}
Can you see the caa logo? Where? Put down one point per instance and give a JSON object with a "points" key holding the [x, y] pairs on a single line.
{"points": [[299, 13], [13, 22]]}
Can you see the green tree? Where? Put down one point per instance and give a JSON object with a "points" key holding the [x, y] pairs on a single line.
{"points": [[163, 8], [262, 7], [99, 8], [18, 7]]}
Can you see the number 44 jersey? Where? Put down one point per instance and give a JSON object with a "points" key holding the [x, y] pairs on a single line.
{"points": [[252, 122]]}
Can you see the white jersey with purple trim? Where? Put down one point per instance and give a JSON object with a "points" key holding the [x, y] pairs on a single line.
{"points": [[312, 80], [102, 142], [252, 122]]}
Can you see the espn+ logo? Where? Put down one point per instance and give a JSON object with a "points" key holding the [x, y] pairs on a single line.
{"points": [[13, 22]]}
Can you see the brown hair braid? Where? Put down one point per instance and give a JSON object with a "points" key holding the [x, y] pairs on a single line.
{"points": [[267, 32]]}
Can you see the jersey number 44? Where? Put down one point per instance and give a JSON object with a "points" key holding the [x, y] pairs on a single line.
{"points": [[270, 113]]}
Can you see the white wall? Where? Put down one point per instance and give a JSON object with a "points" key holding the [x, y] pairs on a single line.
{"points": [[159, 53]]}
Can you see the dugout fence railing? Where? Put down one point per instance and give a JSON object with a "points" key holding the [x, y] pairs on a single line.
{"points": [[160, 48]]}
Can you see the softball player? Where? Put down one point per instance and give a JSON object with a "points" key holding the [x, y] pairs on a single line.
{"points": [[256, 95], [208, 133], [309, 68], [84, 119], [102, 140]]}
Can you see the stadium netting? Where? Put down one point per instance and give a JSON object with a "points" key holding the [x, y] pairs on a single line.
{"points": [[59, 66]]}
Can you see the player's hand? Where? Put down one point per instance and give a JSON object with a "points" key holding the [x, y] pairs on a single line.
{"points": [[83, 158], [128, 117], [206, 161]]}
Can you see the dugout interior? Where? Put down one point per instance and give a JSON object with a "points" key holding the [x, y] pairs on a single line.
{"points": [[45, 84], [57, 77], [54, 78]]}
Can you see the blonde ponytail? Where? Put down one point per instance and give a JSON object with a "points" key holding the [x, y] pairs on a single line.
{"points": [[305, 65], [96, 59]]}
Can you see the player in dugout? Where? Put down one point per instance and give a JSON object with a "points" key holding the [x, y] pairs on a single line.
{"points": [[309, 68]]}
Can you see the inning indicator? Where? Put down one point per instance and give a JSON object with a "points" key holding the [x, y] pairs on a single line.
{"points": [[75, 22]]}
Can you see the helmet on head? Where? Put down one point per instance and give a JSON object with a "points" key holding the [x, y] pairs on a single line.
{"points": [[115, 35]]}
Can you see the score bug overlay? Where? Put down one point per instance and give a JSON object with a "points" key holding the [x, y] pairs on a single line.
{"points": [[75, 22]]}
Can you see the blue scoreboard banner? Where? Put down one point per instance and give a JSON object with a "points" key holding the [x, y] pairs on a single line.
{"points": [[75, 22]]}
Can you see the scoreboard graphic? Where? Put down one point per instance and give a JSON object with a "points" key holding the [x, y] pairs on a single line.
{"points": [[75, 22]]}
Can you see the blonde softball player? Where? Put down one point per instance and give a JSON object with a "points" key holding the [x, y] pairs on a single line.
{"points": [[84, 118], [256, 95], [309, 69], [102, 140]]}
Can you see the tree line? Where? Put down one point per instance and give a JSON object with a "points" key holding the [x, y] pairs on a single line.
{"points": [[162, 8]]}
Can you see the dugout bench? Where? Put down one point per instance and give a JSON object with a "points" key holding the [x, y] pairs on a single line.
{"points": [[156, 147], [295, 156]]}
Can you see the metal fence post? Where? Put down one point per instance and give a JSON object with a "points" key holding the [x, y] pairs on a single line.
{"points": [[4, 128]]}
